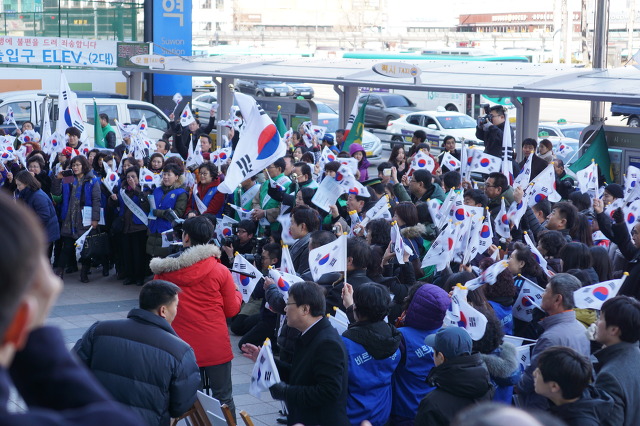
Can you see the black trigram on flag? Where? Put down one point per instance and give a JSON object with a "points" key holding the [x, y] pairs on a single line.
{"points": [[244, 164]]}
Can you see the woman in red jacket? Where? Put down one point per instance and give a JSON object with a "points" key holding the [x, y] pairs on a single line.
{"points": [[209, 296], [205, 197]]}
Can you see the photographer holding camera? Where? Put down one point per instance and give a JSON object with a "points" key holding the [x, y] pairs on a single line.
{"points": [[243, 241], [491, 128]]}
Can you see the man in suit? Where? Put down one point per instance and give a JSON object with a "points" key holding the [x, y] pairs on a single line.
{"points": [[314, 385]]}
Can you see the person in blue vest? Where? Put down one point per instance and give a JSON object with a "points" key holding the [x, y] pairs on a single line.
{"points": [[205, 198], [135, 261], [170, 202], [79, 210], [423, 315], [373, 353]]}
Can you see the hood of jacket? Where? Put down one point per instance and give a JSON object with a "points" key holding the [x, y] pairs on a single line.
{"points": [[594, 405], [187, 258], [427, 308], [465, 376], [416, 231], [356, 147], [503, 362], [381, 340]]}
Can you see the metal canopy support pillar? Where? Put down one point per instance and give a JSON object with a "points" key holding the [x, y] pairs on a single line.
{"points": [[600, 40], [134, 85], [348, 96], [225, 102], [527, 123]]}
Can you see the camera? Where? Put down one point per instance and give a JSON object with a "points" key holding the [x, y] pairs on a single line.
{"points": [[255, 256], [486, 118], [256, 259], [233, 240]]}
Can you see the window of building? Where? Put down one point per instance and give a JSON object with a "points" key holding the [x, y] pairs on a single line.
{"points": [[206, 4], [219, 4]]}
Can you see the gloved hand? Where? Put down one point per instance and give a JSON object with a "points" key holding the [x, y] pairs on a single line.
{"points": [[279, 391], [618, 215]]}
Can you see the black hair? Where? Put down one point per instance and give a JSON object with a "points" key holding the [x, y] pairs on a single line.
{"points": [[274, 250], [567, 211], [173, 168], [384, 165], [575, 256], [279, 163], [531, 267], [307, 195], [446, 138], [332, 166], [305, 169], [306, 215], [503, 287], [423, 176], [558, 162], [25, 177], [359, 251], [21, 230], [544, 206], [582, 275], [408, 212], [570, 370], [86, 167], [104, 116], [423, 145], [321, 238], [499, 180], [72, 131], [394, 154], [623, 312], [157, 293], [371, 302], [551, 242], [380, 232], [547, 144], [497, 108], [212, 168], [199, 229], [37, 159], [580, 200], [421, 135], [308, 158], [478, 196], [451, 179], [493, 334], [248, 225], [132, 169], [455, 278], [531, 142], [601, 263], [581, 230], [167, 144], [309, 293]]}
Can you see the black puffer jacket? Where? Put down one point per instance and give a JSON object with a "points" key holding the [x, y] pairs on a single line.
{"points": [[592, 409], [143, 364], [459, 382]]}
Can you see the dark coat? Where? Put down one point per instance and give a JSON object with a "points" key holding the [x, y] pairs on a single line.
{"points": [[492, 137], [459, 382], [537, 165], [317, 378], [58, 390], [42, 205], [300, 254], [143, 363], [631, 286], [592, 409], [618, 374], [182, 136]]}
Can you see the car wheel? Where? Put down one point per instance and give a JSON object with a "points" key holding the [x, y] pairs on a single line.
{"points": [[634, 121], [259, 94]]}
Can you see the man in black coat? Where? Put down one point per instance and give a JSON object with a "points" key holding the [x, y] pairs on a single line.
{"points": [[460, 378], [183, 136], [141, 361], [491, 132], [314, 385]]}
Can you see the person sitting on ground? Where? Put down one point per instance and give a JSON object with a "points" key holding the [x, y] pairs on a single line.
{"points": [[563, 377], [460, 378]]}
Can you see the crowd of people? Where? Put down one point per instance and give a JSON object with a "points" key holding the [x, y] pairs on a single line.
{"points": [[400, 361]]}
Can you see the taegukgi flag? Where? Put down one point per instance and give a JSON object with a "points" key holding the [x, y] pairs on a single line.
{"points": [[330, 257], [593, 296], [245, 275], [186, 117], [283, 280], [259, 145], [530, 296], [265, 373], [462, 314]]}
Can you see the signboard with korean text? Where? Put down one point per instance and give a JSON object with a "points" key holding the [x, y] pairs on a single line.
{"points": [[126, 51], [56, 51], [171, 37]]}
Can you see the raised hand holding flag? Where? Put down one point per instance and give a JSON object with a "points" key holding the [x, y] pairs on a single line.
{"points": [[593, 296], [186, 117], [265, 372]]}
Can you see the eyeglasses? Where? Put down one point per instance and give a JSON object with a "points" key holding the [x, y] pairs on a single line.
{"points": [[488, 185], [291, 303]]}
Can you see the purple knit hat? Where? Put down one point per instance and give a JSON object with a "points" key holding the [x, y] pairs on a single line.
{"points": [[427, 308]]}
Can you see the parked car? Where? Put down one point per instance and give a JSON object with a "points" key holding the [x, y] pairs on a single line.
{"points": [[203, 83], [437, 125], [631, 112], [27, 106], [264, 88], [201, 105], [382, 108], [302, 89], [564, 136]]}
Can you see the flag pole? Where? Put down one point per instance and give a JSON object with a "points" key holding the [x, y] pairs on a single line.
{"points": [[584, 143], [346, 259]]}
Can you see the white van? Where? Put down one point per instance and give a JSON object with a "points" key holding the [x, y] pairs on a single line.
{"points": [[27, 106]]}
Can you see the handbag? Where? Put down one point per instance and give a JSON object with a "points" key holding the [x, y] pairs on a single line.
{"points": [[95, 245]]}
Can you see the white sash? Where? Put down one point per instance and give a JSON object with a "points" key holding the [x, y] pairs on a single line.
{"points": [[201, 206], [248, 196], [135, 209], [282, 180]]}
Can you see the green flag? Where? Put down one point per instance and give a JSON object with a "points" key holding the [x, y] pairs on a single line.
{"points": [[282, 129], [357, 128], [98, 136], [598, 151]]}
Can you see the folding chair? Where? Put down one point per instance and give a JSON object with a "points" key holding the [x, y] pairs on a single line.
{"points": [[196, 416], [228, 415], [246, 418]]}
